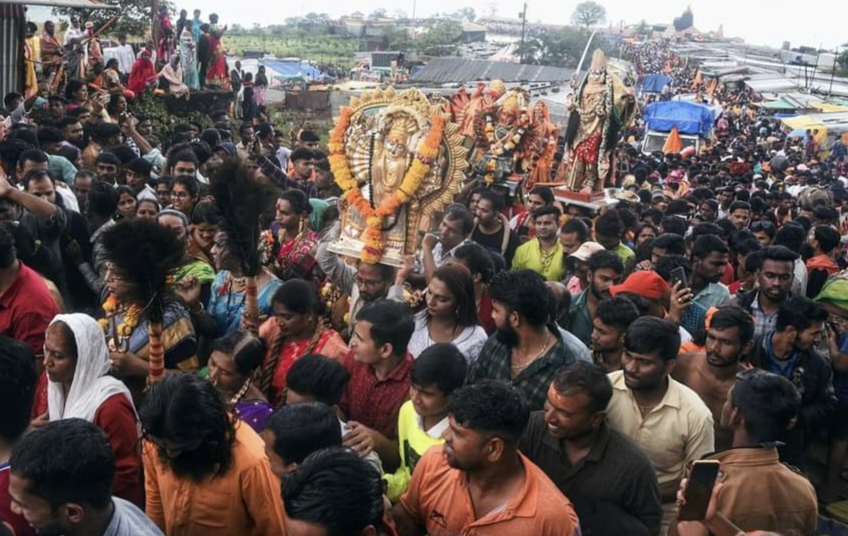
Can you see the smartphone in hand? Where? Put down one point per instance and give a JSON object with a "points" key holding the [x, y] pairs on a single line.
{"points": [[679, 275], [702, 479]]}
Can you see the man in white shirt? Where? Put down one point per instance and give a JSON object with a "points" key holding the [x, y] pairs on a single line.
{"points": [[73, 32], [125, 55], [667, 419]]}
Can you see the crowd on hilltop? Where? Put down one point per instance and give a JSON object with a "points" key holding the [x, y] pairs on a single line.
{"points": [[536, 368], [75, 69]]}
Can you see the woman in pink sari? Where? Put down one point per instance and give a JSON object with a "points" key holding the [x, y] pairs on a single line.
{"points": [[295, 330], [217, 75], [294, 241]]}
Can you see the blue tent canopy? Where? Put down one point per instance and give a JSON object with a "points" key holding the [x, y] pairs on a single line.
{"points": [[688, 117], [654, 83], [291, 69]]}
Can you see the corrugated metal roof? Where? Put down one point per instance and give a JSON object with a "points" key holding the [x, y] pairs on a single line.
{"points": [[77, 4], [445, 70], [12, 27]]}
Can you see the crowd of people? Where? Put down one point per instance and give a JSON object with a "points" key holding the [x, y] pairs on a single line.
{"points": [[535, 369], [74, 68]]}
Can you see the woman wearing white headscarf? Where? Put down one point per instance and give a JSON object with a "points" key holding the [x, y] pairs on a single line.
{"points": [[76, 361]]}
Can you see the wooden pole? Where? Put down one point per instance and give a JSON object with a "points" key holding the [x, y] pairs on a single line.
{"points": [[154, 26]]}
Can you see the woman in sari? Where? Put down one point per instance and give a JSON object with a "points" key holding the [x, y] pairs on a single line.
{"points": [[227, 298], [76, 93], [234, 358], [260, 86], [125, 323], [188, 57], [172, 72], [294, 331], [204, 227], [143, 75], [217, 74], [112, 80], [78, 385], [294, 239]]}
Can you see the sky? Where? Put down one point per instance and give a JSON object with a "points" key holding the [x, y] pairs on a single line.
{"points": [[759, 22]]}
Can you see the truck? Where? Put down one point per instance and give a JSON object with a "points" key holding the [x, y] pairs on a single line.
{"points": [[694, 124]]}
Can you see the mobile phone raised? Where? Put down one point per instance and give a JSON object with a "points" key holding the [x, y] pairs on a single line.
{"points": [[702, 478]]}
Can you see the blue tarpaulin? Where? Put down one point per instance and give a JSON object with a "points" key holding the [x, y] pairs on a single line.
{"points": [[688, 117], [654, 83], [291, 69]]}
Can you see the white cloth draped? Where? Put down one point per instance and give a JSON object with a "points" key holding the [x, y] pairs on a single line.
{"points": [[91, 385]]}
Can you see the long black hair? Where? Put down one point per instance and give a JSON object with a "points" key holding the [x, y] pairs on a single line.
{"points": [[185, 408]]}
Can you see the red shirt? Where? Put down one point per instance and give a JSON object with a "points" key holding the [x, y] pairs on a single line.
{"points": [[18, 523], [376, 403], [484, 314], [729, 274], [116, 417], [26, 309]]}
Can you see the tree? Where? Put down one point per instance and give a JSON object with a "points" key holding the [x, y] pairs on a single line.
{"points": [[685, 21], [400, 14], [398, 39], [378, 13], [559, 48], [643, 29], [441, 37], [842, 62], [466, 14], [134, 17], [589, 14]]}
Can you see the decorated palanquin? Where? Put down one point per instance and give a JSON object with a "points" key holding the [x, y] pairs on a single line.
{"points": [[514, 140], [399, 160]]}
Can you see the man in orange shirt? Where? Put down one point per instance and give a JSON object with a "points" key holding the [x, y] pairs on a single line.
{"points": [[205, 473], [479, 482]]}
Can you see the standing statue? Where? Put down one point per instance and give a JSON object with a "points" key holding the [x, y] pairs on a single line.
{"points": [[602, 105]]}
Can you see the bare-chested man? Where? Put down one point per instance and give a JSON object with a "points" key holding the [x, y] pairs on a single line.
{"points": [[712, 373]]}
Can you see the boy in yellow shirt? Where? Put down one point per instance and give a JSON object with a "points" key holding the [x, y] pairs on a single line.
{"points": [[435, 375]]}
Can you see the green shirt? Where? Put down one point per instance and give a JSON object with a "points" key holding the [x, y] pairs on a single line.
{"points": [[626, 254], [579, 323], [529, 256]]}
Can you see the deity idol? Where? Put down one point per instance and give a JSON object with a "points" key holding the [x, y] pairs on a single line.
{"points": [[602, 105], [399, 160]]}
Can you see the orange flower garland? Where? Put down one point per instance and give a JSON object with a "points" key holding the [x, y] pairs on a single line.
{"points": [[131, 317], [372, 236]]}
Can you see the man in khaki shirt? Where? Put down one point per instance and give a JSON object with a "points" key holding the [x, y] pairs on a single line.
{"points": [[666, 418]]}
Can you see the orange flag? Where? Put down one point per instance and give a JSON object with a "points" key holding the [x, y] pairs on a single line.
{"points": [[698, 79], [673, 144], [711, 89]]}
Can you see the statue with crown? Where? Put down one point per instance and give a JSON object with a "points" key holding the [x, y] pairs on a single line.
{"points": [[399, 161], [513, 138], [601, 106]]}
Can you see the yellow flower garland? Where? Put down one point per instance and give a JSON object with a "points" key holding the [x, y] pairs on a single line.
{"points": [[132, 315], [427, 152]]}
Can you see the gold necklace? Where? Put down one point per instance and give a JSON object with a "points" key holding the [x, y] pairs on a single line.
{"points": [[519, 368]]}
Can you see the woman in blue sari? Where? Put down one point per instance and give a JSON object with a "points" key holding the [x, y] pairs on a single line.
{"points": [[226, 302], [188, 57]]}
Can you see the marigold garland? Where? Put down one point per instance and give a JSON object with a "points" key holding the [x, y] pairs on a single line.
{"points": [[132, 315], [372, 236]]}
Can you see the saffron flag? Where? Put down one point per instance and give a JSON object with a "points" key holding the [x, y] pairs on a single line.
{"points": [[673, 144], [698, 79]]}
